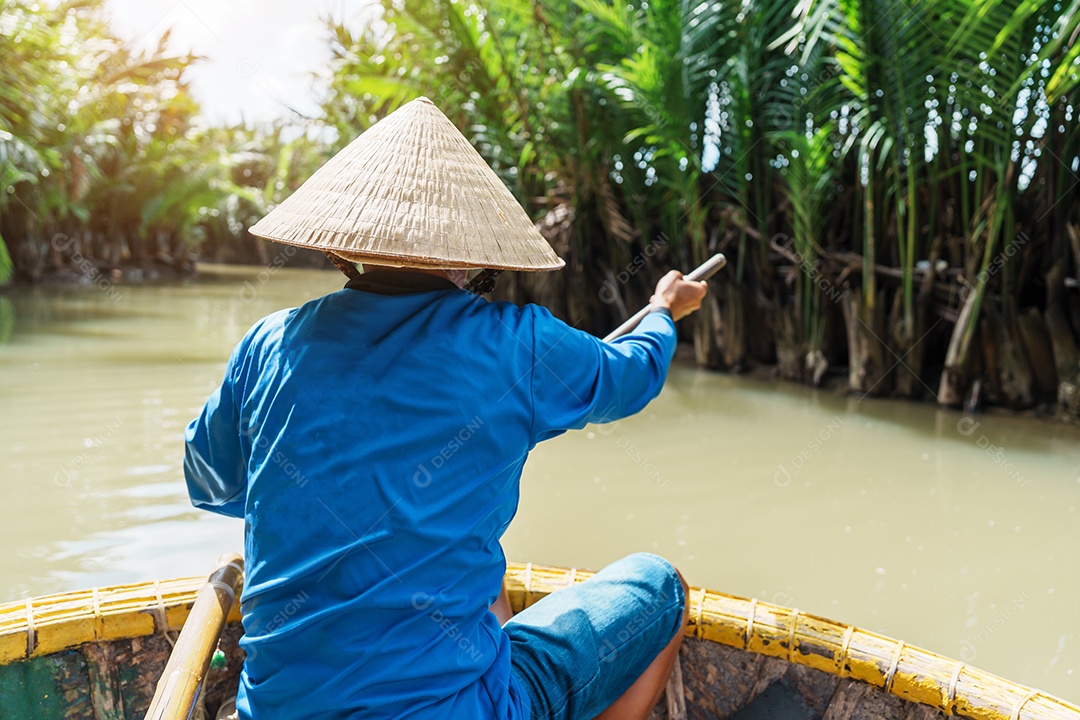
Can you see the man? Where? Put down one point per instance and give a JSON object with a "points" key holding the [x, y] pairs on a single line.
{"points": [[373, 441]]}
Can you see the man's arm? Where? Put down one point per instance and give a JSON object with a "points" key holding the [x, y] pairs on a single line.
{"points": [[578, 379], [214, 463]]}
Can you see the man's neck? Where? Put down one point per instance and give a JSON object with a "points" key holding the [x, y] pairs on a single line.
{"points": [[452, 275]]}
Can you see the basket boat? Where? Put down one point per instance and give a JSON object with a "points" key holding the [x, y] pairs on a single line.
{"points": [[98, 654]]}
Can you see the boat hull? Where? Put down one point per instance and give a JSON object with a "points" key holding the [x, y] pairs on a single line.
{"points": [[110, 680], [97, 655], [719, 681]]}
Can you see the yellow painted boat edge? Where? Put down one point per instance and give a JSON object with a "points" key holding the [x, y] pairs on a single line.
{"points": [[903, 670], [50, 623]]}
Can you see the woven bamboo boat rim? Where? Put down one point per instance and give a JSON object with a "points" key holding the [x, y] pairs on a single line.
{"points": [[51, 623], [903, 670], [48, 624], [411, 191]]}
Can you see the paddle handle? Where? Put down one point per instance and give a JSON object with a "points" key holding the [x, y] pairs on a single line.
{"points": [[703, 272], [181, 681]]}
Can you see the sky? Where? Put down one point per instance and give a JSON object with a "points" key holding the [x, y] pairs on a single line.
{"points": [[260, 54]]}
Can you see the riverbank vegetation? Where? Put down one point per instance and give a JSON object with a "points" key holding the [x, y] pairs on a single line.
{"points": [[105, 162], [895, 184]]}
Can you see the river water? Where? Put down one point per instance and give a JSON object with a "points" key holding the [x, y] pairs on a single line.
{"points": [[959, 535]]}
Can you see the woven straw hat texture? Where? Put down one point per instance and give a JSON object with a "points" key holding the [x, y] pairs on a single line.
{"points": [[411, 192]]}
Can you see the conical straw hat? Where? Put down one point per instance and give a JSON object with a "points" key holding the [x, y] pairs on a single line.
{"points": [[411, 191]]}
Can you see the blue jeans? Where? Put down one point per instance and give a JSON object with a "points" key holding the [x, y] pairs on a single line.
{"points": [[579, 649]]}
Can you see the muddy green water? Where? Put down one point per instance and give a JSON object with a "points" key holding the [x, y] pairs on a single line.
{"points": [[957, 535]]}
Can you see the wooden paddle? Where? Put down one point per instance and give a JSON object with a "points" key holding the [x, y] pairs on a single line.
{"points": [[181, 682], [703, 272], [675, 695]]}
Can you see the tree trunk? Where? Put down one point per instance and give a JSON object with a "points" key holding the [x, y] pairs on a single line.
{"points": [[735, 345], [1040, 353], [908, 381], [951, 387], [1062, 343], [1066, 360], [789, 352], [907, 372], [866, 352], [1014, 371], [707, 352]]}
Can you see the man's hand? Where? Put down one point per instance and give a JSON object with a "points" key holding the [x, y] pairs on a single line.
{"points": [[681, 297]]}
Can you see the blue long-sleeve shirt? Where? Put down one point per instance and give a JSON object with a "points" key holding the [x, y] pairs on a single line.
{"points": [[373, 444]]}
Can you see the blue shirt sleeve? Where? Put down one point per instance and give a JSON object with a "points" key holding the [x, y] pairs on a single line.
{"points": [[578, 378], [214, 464]]}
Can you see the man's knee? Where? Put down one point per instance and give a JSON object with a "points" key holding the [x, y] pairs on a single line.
{"points": [[649, 565], [663, 574]]}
